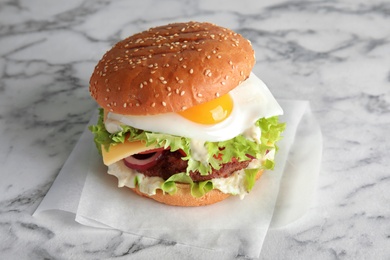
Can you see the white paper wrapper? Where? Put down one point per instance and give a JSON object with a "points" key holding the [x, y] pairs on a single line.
{"points": [[234, 225]]}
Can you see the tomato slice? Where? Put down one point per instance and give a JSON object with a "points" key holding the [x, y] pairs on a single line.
{"points": [[183, 154]]}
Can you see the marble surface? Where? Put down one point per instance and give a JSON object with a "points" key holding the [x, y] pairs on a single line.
{"points": [[336, 54]]}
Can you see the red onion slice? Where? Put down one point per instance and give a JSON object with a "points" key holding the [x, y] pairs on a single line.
{"points": [[142, 161]]}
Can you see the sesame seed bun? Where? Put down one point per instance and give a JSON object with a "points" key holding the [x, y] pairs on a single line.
{"points": [[171, 68], [184, 198]]}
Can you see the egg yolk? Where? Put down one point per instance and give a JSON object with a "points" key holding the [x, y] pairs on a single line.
{"points": [[211, 112]]}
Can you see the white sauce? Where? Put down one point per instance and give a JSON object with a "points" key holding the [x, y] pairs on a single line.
{"points": [[235, 184], [199, 151], [127, 177]]}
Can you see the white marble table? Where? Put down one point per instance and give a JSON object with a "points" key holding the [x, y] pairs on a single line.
{"points": [[336, 54]]}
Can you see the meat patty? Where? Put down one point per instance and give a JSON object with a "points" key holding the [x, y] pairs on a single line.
{"points": [[171, 163]]}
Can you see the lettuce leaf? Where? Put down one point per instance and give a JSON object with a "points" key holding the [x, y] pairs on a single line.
{"points": [[250, 178], [103, 138], [198, 189], [271, 132]]}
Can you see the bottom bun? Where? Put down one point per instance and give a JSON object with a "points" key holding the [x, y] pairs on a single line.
{"points": [[184, 198]]}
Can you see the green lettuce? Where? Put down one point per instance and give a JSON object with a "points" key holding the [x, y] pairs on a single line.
{"points": [[198, 189], [250, 178], [239, 147]]}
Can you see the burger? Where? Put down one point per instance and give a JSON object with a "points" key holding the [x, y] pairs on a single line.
{"points": [[182, 119]]}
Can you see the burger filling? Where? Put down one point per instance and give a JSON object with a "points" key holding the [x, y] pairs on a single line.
{"points": [[230, 166]]}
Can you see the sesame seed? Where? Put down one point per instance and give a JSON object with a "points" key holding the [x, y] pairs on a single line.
{"points": [[199, 95], [164, 104], [137, 104], [108, 90], [182, 93], [241, 73], [223, 83], [199, 49], [177, 91], [184, 66], [156, 95], [169, 94], [183, 107], [169, 88], [161, 78], [208, 56], [191, 71], [219, 56], [153, 104], [150, 80], [141, 85], [217, 94], [124, 104]]}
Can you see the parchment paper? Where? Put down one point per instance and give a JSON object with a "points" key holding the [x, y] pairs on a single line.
{"points": [[84, 188]]}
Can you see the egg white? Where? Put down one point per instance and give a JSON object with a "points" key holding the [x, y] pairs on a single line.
{"points": [[251, 100]]}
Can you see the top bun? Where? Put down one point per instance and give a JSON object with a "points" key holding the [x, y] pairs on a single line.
{"points": [[171, 68]]}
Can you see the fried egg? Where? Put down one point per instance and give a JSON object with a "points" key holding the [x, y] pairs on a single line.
{"points": [[218, 120]]}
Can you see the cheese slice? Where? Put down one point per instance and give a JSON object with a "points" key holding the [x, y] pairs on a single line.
{"points": [[120, 151]]}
